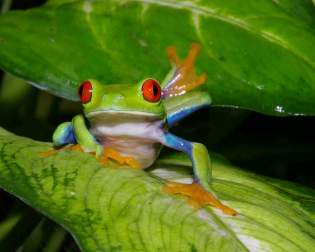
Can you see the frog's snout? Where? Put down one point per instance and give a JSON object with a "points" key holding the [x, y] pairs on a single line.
{"points": [[113, 99]]}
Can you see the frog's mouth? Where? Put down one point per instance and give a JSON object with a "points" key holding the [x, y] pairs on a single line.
{"points": [[122, 116]]}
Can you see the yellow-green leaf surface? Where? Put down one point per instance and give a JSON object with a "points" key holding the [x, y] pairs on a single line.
{"points": [[118, 209], [257, 54]]}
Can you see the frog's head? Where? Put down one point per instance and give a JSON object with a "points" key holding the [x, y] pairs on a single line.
{"points": [[122, 102]]}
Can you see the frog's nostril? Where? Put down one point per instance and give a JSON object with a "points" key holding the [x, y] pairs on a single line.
{"points": [[118, 97]]}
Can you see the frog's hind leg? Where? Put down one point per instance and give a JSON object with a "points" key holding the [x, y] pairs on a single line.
{"points": [[199, 193], [62, 137], [197, 196], [64, 134], [74, 136], [182, 78]]}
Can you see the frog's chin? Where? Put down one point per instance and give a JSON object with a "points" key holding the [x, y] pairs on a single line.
{"points": [[123, 115]]}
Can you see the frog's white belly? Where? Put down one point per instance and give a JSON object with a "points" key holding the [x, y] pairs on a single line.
{"points": [[139, 140]]}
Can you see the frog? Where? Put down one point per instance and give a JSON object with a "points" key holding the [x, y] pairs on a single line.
{"points": [[130, 124]]}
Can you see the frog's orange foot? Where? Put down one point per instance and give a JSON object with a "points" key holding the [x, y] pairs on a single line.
{"points": [[51, 152], [197, 196], [110, 153], [189, 61], [186, 79]]}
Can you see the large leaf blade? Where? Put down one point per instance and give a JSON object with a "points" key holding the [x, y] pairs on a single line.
{"points": [[257, 55], [109, 209]]}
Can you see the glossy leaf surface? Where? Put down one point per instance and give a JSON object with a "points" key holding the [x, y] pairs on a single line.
{"points": [[258, 54], [117, 209]]}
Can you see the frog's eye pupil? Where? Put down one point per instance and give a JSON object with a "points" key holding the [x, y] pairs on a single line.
{"points": [[151, 90], [155, 90], [85, 92]]}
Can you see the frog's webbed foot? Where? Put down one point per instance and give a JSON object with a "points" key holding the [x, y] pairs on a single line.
{"points": [[110, 153], [74, 147], [197, 196], [184, 78]]}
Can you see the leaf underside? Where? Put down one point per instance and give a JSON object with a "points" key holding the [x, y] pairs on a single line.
{"points": [[117, 209], [258, 55]]}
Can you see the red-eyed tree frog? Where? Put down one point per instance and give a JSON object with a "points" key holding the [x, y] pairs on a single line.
{"points": [[129, 124]]}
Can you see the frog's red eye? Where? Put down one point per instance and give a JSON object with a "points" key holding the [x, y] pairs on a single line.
{"points": [[85, 92], [151, 90]]}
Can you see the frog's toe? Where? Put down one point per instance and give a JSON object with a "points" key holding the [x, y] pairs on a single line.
{"points": [[186, 78], [133, 163], [48, 153], [110, 153], [198, 197], [75, 147], [172, 55], [51, 152]]}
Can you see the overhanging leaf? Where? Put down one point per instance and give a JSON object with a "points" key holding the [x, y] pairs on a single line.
{"points": [[259, 54], [111, 209]]}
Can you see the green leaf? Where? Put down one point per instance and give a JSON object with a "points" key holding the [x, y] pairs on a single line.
{"points": [[111, 209], [258, 55]]}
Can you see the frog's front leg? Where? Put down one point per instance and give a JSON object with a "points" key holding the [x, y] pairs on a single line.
{"points": [[78, 135], [84, 137], [64, 135], [87, 141], [199, 192], [75, 136]]}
